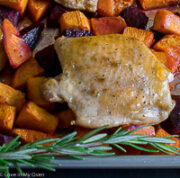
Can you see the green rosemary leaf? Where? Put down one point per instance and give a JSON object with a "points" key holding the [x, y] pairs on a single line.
{"points": [[117, 131], [102, 148], [158, 148], [158, 140], [119, 147], [123, 139], [13, 156], [138, 142], [77, 157], [11, 144], [17, 168], [139, 148], [92, 133], [95, 138], [25, 162]]}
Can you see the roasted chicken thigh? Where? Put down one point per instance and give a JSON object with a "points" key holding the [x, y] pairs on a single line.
{"points": [[111, 79]]}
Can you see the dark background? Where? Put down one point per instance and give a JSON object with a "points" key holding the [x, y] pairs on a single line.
{"points": [[109, 173]]}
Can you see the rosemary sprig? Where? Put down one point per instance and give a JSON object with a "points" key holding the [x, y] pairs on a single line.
{"points": [[38, 154]]}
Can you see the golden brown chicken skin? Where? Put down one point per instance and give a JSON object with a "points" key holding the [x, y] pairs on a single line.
{"points": [[110, 79]]}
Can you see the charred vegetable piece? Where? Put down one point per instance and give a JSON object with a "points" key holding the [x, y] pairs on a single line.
{"points": [[48, 60], [15, 47], [19, 5], [77, 33], [172, 124], [10, 14], [4, 139], [32, 34], [54, 16], [157, 35], [135, 17]]}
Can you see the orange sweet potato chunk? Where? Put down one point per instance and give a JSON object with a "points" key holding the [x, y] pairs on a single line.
{"points": [[108, 25], [35, 94], [19, 5], [148, 131], [38, 8], [29, 69], [29, 136], [106, 7], [167, 22], [171, 45], [7, 116], [10, 96], [167, 60], [162, 133], [145, 36], [74, 20], [36, 118], [153, 4], [66, 119]]}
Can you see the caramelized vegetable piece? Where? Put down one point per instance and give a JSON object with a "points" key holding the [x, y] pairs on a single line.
{"points": [[48, 60], [108, 25], [15, 47], [3, 57], [54, 16], [171, 45], [77, 33], [10, 96], [7, 116], [30, 136], [172, 124], [74, 20], [29, 69], [66, 119], [106, 7], [32, 34], [153, 4], [135, 17], [120, 5], [36, 118], [35, 94], [37, 9], [143, 35], [167, 22], [162, 133], [10, 14], [148, 131], [19, 5], [167, 60]]}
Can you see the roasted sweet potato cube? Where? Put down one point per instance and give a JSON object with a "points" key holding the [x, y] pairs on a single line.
{"points": [[30, 136], [74, 20], [15, 47], [148, 131], [167, 60], [171, 45], [162, 133], [36, 118], [153, 4], [10, 96], [29, 69], [106, 7], [38, 8], [167, 22], [19, 5], [35, 94], [145, 36], [66, 119], [120, 5], [108, 25], [7, 116]]}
